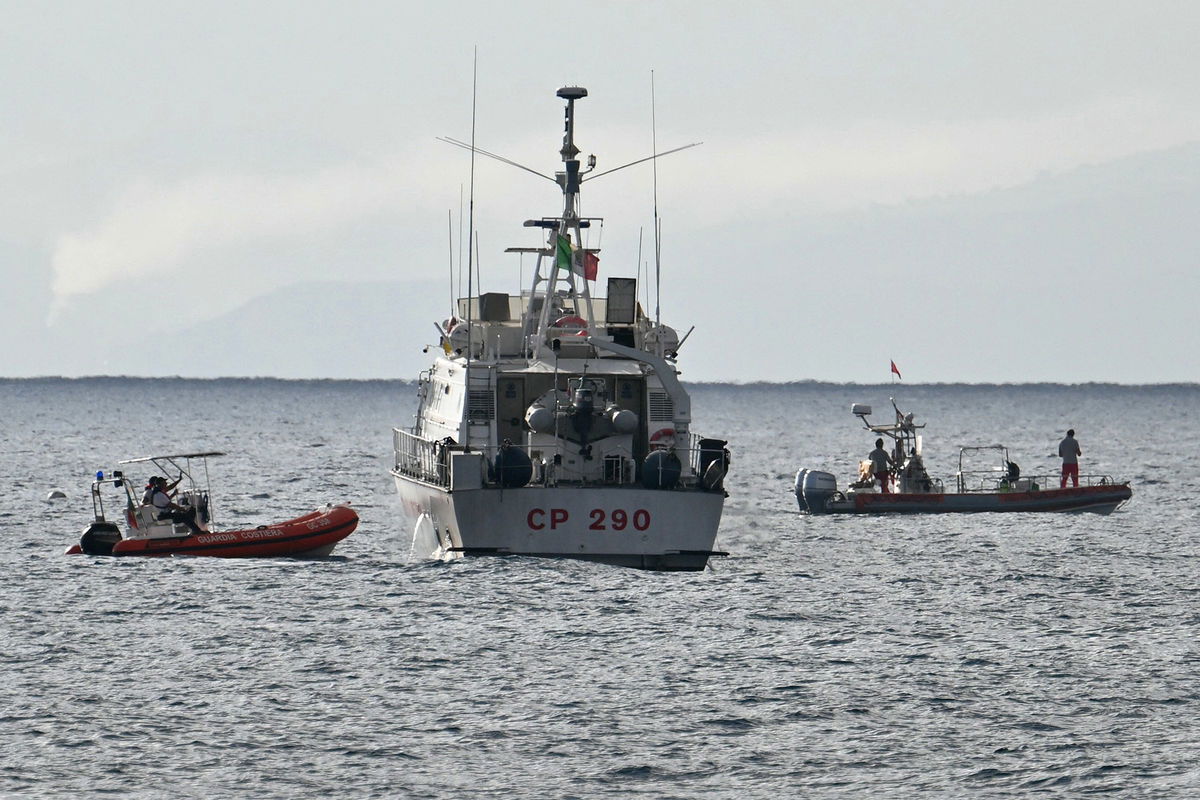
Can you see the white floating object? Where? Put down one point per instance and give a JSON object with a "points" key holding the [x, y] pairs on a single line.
{"points": [[56, 494]]}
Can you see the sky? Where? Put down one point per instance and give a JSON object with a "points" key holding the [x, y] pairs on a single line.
{"points": [[980, 191]]}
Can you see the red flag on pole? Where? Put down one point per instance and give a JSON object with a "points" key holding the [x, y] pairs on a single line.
{"points": [[897, 371]]}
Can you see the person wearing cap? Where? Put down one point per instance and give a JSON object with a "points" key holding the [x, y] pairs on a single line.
{"points": [[1069, 452], [166, 508], [148, 496]]}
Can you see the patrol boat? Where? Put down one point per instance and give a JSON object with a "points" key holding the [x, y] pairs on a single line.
{"points": [[554, 423], [995, 484]]}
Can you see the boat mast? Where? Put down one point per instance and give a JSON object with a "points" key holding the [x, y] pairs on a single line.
{"points": [[464, 434], [568, 225], [658, 350]]}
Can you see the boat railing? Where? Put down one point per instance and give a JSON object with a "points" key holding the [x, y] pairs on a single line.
{"points": [[991, 481], [429, 461], [420, 458]]}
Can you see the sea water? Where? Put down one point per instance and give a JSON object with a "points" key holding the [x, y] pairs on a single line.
{"points": [[997, 655]]}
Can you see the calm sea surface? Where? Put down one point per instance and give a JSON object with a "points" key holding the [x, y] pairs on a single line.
{"points": [[989, 655]]}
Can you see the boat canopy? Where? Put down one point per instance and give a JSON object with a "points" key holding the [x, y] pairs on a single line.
{"points": [[145, 459], [606, 367]]}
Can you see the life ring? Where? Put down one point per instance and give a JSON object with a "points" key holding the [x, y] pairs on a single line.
{"points": [[662, 439], [572, 321]]}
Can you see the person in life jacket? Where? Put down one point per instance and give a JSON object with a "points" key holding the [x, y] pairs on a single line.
{"points": [[151, 488], [166, 508]]}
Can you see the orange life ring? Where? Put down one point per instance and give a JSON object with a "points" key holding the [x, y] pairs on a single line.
{"points": [[662, 438], [572, 321]]}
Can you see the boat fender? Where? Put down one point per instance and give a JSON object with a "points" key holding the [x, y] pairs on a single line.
{"points": [[512, 467], [661, 470]]}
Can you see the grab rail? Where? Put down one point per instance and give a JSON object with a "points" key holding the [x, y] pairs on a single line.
{"points": [[429, 461], [420, 458], [985, 481]]}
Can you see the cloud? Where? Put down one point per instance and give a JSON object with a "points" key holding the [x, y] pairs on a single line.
{"points": [[881, 161], [152, 228]]}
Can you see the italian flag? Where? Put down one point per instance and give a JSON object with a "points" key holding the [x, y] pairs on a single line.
{"points": [[564, 258]]}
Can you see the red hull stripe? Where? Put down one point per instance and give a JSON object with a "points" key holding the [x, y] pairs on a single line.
{"points": [[1044, 500], [181, 545]]}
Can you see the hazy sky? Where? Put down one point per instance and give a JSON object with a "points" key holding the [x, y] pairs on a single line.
{"points": [[165, 162]]}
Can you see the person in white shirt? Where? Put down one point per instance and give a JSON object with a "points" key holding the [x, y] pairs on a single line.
{"points": [[166, 508]]}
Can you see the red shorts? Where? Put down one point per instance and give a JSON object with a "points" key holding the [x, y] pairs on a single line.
{"points": [[1071, 471], [882, 477]]}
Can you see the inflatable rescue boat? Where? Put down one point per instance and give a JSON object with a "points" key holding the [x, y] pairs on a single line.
{"points": [[186, 527]]}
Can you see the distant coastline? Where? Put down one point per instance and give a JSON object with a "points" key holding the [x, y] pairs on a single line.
{"points": [[808, 383]]}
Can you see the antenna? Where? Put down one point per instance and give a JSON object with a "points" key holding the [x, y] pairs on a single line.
{"points": [[641, 230], [657, 243], [639, 161], [502, 159], [470, 245], [450, 238], [460, 244]]}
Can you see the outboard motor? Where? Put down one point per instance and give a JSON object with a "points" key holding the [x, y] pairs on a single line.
{"points": [[583, 408], [814, 488], [98, 538], [798, 488], [512, 467]]}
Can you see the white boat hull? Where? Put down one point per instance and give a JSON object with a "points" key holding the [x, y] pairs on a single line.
{"points": [[620, 525]]}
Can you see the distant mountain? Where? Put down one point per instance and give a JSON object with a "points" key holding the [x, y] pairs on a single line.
{"points": [[326, 330], [1090, 274]]}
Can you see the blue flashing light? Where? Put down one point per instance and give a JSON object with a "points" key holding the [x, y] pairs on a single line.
{"points": [[99, 474]]}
